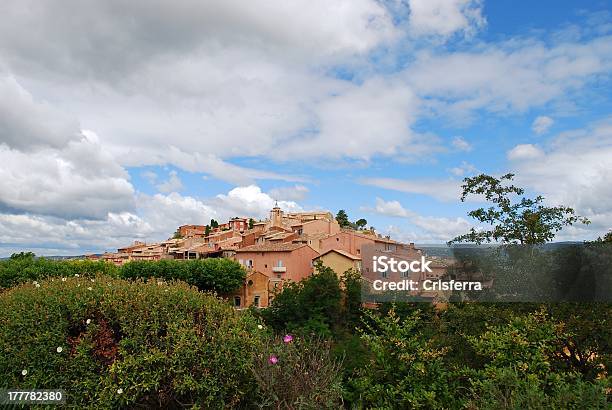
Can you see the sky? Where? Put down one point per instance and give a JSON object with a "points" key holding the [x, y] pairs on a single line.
{"points": [[121, 120]]}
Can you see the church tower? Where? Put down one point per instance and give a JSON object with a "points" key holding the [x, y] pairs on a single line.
{"points": [[276, 215]]}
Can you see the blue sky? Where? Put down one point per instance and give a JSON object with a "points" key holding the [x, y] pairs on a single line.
{"points": [[135, 118]]}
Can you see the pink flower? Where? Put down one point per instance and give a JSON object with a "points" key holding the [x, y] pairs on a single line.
{"points": [[287, 338], [273, 359]]}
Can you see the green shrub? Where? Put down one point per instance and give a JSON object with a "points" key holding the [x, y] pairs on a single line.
{"points": [[113, 343], [297, 373], [24, 267], [215, 274], [311, 305], [519, 370]]}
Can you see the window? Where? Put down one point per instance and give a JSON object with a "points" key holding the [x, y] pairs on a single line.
{"points": [[237, 301], [337, 239], [256, 301], [266, 265], [279, 263]]}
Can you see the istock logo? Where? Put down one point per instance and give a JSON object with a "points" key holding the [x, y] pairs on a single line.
{"points": [[384, 264]]}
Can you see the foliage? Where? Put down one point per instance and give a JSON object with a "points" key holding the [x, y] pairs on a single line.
{"points": [[114, 343], [527, 221], [24, 267], [295, 373], [342, 219], [519, 371], [361, 223], [406, 369], [313, 305], [607, 238], [214, 274], [251, 223]]}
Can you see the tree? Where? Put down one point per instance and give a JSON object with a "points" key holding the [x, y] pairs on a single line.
{"points": [[361, 223], [214, 224], [207, 230], [342, 219], [251, 223], [607, 238], [527, 221], [23, 255]]}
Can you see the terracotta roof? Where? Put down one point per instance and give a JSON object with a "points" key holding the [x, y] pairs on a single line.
{"points": [[373, 237], [270, 247], [343, 253]]}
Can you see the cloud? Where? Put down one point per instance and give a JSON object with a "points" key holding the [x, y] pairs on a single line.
{"points": [[541, 124], [154, 219], [81, 180], [26, 123], [443, 190], [93, 39], [464, 169], [376, 114], [291, 193], [389, 208], [524, 152], [461, 144], [424, 228], [445, 17], [506, 77], [250, 201], [172, 184], [575, 169]]}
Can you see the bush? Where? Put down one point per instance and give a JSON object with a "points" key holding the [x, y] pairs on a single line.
{"points": [[113, 343], [24, 267], [313, 305], [519, 372], [297, 373], [215, 274]]}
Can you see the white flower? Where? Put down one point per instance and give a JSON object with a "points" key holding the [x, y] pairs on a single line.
{"points": [[35, 283], [88, 321], [24, 372], [119, 390], [76, 275], [38, 285], [63, 279], [93, 280], [259, 327], [166, 290], [59, 349], [78, 285], [89, 288]]}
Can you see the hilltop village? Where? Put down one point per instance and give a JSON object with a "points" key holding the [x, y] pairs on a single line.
{"points": [[283, 248]]}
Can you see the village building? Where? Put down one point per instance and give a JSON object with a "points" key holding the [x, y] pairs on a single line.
{"points": [[340, 261], [258, 291], [286, 261]]}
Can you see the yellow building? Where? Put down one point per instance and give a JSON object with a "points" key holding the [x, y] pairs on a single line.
{"points": [[339, 260]]}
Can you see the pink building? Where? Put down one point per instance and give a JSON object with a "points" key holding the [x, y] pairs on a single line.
{"points": [[353, 241], [286, 261]]}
